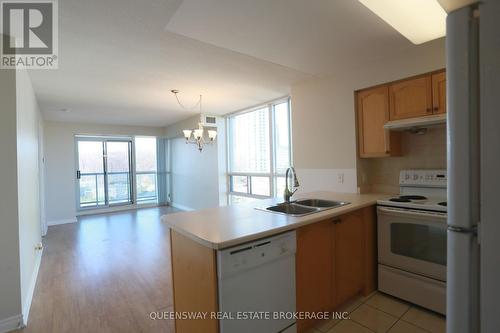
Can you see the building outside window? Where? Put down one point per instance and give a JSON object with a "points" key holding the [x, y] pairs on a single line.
{"points": [[259, 151], [146, 170]]}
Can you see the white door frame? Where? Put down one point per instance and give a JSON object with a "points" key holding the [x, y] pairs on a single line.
{"points": [[41, 177]]}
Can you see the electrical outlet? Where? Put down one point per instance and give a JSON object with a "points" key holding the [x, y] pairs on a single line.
{"points": [[363, 178], [340, 178]]}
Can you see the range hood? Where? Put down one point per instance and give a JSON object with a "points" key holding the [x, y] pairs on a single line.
{"points": [[414, 123]]}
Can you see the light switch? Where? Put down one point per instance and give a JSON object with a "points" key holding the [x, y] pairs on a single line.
{"points": [[340, 178]]}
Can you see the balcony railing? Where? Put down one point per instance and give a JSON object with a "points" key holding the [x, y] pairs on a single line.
{"points": [[146, 187], [93, 188]]}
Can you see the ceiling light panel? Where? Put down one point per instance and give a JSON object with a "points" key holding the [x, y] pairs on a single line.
{"points": [[418, 20]]}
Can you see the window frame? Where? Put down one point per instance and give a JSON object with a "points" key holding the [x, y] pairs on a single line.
{"points": [[273, 174], [141, 201]]}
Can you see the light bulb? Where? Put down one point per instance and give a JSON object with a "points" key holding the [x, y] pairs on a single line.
{"points": [[187, 134], [212, 134], [198, 133]]}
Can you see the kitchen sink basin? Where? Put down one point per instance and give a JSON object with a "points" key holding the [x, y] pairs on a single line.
{"points": [[303, 207], [293, 209], [320, 203]]}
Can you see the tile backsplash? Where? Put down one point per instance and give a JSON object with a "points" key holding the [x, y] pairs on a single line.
{"points": [[420, 151]]}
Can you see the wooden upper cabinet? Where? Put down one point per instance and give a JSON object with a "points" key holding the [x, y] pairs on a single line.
{"points": [[410, 98], [373, 113], [439, 93], [415, 97]]}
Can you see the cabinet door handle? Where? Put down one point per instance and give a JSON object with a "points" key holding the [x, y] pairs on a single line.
{"points": [[336, 221], [435, 109], [386, 142], [429, 110]]}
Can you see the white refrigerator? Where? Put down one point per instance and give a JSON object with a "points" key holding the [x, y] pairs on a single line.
{"points": [[473, 79]]}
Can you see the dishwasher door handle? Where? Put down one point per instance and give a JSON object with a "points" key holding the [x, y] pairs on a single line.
{"points": [[251, 255]]}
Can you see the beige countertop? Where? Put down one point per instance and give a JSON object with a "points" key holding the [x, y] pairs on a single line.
{"points": [[228, 226]]}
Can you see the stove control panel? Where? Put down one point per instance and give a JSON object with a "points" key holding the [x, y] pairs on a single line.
{"points": [[423, 178]]}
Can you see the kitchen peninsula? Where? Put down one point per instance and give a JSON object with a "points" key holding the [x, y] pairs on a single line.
{"points": [[335, 253]]}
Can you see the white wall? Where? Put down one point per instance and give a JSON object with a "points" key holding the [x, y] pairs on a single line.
{"points": [[60, 168], [28, 186], [194, 176], [10, 276], [197, 179], [323, 119], [175, 130], [20, 231]]}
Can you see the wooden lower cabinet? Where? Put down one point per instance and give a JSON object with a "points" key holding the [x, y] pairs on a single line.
{"points": [[336, 261], [348, 240], [194, 279], [314, 270]]}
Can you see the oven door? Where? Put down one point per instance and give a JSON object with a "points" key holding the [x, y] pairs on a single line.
{"points": [[414, 241]]}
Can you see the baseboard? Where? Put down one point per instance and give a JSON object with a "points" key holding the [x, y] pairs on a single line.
{"points": [[44, 229], [63, 221], [109, 210], [115, 209], [181, 207], [11, 323], [31, 290]]}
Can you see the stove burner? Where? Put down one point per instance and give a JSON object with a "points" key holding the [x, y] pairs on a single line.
{"points": [[399, 200], [413, 197], [444, 203]]}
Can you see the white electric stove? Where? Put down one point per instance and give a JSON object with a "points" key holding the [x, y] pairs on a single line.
{"points": [[421, 190], [412, 239]]}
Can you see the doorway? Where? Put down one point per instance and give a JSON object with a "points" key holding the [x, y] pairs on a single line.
{"points": [[104, 172]]}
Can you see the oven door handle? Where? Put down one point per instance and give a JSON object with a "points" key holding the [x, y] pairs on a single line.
{"points": [[406, 212]]}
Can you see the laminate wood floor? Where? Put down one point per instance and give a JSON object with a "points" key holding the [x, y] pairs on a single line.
{"points": [[106, 273]]}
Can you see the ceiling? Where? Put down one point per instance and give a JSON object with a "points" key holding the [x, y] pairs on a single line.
{"points": [[119, 59]]}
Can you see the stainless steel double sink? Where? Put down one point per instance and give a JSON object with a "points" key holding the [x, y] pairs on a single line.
{"points": [[304, 207]]}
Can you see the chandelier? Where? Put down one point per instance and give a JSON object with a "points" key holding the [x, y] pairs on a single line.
{"points": [[197, 136]]}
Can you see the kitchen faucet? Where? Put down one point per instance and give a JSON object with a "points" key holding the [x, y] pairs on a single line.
{"points": [[289, 191]]}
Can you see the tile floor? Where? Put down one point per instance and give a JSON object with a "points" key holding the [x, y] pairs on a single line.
{"points": [[382, 313]]}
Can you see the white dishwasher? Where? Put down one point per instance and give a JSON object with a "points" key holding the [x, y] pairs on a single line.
{"points": [[257, 280]]}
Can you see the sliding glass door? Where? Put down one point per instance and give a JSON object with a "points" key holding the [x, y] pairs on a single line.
{"points": [[103, 172], [118, 175], [90, 174]]}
